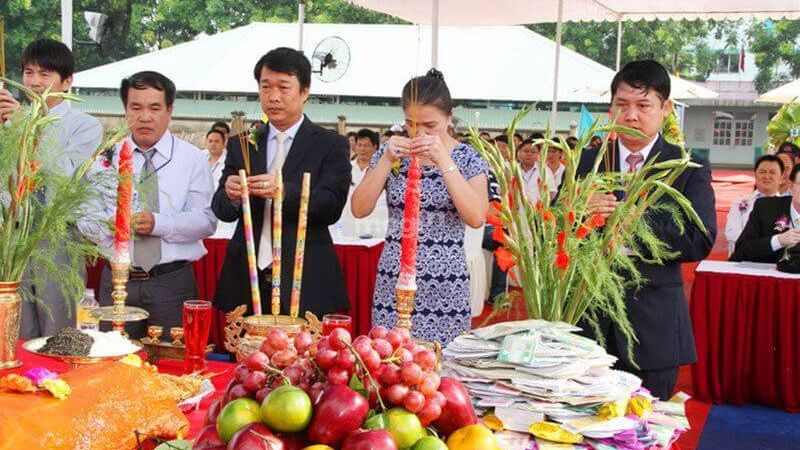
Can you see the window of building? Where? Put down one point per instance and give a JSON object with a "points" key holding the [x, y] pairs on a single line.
{"points": [[743, 133], [728, 63], [723, 127]]}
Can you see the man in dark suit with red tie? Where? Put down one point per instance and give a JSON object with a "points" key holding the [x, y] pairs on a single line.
{"points": [[773, 226], [657, 310], [290, 142]]}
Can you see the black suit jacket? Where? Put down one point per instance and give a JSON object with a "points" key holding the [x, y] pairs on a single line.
{"points": [[754, 242], [325, 155], [658, 310]]}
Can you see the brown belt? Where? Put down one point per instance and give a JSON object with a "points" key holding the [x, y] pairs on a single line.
{"points": [[139, 274]]}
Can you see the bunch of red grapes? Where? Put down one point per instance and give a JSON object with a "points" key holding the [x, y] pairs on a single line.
{"points": [[279, 359], [403, 371]]}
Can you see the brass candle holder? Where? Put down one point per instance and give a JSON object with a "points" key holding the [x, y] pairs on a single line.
{"points": [[405, 306], [118, 313]]}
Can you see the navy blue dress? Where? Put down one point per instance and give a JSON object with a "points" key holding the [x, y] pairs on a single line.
{"points": [[442, 309]]}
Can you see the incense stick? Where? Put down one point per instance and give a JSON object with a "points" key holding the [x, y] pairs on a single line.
{"points": [[277, 233], [250, 243], [299, 253]]}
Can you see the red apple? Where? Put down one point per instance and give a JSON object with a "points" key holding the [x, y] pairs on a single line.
{"points": [[213, 411], [369, 440], [255, 436], [208, 439], [340, 412], [457, 411]]}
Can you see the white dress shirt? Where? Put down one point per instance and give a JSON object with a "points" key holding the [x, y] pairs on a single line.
{"points": [[795, 223], [185, 189], [272, 143], [372, 226], [76, 135], [738, 214], [530, 180], [554, 178], [224, 230], [624, 152]]}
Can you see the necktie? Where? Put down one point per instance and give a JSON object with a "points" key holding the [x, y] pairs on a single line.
{"points": [[633, 160], [265, 242], [147, 249]]}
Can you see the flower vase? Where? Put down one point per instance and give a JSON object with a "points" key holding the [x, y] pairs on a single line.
{"points": [[10, 315]]}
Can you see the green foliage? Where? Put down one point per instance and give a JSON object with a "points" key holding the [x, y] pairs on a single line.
{"points": [[780, 128], [139, 26], [570, 266], [39, 203], [775, 44], [679, 45]]}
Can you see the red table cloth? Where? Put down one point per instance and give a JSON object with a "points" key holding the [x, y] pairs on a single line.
{"points": [[747, 331], [359, 264], [222, 374]]}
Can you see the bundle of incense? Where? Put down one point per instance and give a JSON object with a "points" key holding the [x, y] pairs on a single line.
{"points": [[299, 253], [240, 129], [277, 233], [250, 243], [122, 222]]}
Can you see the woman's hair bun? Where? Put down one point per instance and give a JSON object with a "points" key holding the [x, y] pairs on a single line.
{"points": [[435, 73]]}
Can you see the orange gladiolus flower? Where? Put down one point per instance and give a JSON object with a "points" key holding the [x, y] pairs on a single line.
{"points": [[498, 235], [582, 232], [571, 217], [562, 260], [597, 221], [539, 206], [493, 216], [561, 238], [505, 260], [548, 216]]}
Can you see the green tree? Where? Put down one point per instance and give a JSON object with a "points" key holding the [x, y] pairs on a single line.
{"points": [[139, 26], [777, 52], [679, 45]]}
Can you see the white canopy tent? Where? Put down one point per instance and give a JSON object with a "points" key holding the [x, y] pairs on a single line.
{"points": [[513, 12], [781, 94], [478, 62]]}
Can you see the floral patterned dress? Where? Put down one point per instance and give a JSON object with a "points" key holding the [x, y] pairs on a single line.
{"points": [[442, 309]]}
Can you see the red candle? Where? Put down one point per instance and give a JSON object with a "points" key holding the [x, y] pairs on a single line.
{"points": [[122, 234], [408, 243]]}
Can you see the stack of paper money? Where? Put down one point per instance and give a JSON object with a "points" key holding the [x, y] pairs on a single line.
{"points": [[532, 371]]}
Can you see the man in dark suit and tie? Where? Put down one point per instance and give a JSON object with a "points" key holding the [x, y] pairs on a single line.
{"points": [[657, 310], [773, 225], [294, 144]]}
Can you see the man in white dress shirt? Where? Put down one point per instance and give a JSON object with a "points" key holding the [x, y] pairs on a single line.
{"points": [[528, 157], [216, 143], [172, 206], [67, 144], [769, 171], [373, 225]]}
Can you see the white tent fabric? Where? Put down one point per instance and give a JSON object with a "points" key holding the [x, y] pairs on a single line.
{"points": [[509, 63], [781, 94], [510, 12], [680, 89]]}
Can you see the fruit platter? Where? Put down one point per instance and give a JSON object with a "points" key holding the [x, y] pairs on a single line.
{"points": [[381, 391]]}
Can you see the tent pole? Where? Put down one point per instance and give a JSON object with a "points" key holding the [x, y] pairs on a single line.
{"points": [[66, 23], [301, 18], [554, 105], [619, 41], [435, 35]]}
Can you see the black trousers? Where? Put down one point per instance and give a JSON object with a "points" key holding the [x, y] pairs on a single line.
{"points": [[660, 382], [161, 296]]}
